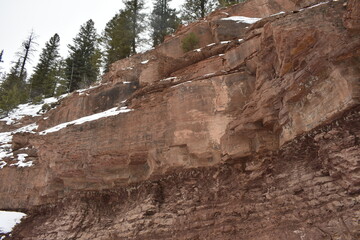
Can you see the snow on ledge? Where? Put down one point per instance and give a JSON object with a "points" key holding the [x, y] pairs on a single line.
{"points": [[316, 5], [111, 112], [8, 220], [168, 79], [21, 161], [28, 109], [313, 6], [2, 164], [5, 147], [225, 42], [276, 14], [241, 19]]}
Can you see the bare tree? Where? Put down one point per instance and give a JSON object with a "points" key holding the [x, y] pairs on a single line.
{"points": [[1, 55], [26, 52]]}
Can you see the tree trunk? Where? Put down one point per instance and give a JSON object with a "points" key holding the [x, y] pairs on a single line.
{"points": [[134, 26], [202, 6]]}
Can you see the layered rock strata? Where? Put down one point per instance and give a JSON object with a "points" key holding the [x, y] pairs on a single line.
{"points": [[252, 136]]}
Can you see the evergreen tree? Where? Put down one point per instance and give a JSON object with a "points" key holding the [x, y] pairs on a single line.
{"points": [[117, 38], [136, 21], [13, 89], [195, 9], [62, 83], [82, 66], [163, 21], [43, 81]]}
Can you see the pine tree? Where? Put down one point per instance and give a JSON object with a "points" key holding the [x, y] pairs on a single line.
{"points": [[13, 89], [163, 21], [62, 83], [195, 9], [84, 61], [136, 21], [43, 81], [117, 38]]}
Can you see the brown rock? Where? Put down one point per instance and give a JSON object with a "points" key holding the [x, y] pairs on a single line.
{"points": [[352, 16], [252, 139]]}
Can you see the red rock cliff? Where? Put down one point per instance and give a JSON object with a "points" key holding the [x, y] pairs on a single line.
{"points": [[253, 136]]}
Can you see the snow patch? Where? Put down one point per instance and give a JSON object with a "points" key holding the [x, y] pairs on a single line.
{"points": [[316, 5], [197, 50], [29, 128], [111, 112], [5, 147], [145, 62], [209, 74], [82, 91], [21, 161], [28, 109], [8, 220], [313, 6], [5, 144], [168, 79], [241, 19], [279, 13], [211, 44], [2, 164], [224, 42]]}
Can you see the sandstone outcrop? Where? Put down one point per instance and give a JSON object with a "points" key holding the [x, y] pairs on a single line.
{"points": [[255, 135]]}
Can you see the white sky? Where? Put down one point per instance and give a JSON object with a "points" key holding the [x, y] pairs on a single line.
{"points": [[47, 17]]}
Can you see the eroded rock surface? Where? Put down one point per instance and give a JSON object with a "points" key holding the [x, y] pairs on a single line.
{"points": [[254, 135], [308, 189]]}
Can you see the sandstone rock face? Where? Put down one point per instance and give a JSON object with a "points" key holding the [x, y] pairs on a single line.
{"points": [[352, 18], [255, 135], [306, 190]]}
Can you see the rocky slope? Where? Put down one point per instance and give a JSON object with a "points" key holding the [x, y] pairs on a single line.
{"points": [[255, 135]]}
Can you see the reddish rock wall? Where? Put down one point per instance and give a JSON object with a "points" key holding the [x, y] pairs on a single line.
{"points": [[309, 189], [249, 139], [352, 18]]}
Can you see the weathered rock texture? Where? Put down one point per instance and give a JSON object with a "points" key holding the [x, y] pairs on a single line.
{"points": [[305, 190], [253, 138]]}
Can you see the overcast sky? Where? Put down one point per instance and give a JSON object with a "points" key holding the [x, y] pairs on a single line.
{"points": [[47, 17]]}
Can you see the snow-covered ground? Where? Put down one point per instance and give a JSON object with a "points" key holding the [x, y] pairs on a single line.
{"points": [[6, 151], [107, 113], [28, 109], [8, 220], [82, 91], [33, 110], [241, 19]]}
